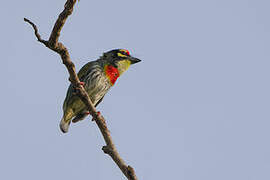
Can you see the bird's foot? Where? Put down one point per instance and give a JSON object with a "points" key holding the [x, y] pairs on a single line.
{"points": [[98, 114], [81, 83], [77, 88]]}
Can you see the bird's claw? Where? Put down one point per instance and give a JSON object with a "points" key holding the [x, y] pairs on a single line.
{"points": [[77, 88], [81, 83], [98, 114]]}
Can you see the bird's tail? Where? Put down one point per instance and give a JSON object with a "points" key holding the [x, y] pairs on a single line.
{"points": [[65, 122]]}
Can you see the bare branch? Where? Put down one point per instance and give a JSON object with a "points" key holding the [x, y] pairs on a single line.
{"points": [[61, 21], [58, 47], [36, 31]]}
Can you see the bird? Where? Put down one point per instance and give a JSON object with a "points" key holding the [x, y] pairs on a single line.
{"points": [[97, 77]]}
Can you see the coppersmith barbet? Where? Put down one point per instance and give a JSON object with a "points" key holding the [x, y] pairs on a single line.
{"points": [[97, 77]]}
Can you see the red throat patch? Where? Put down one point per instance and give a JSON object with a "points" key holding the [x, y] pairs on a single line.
{"points": [[112, 73]]}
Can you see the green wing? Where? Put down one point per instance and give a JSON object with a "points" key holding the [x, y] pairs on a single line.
{"points": [[81, 74], [83, 71]]}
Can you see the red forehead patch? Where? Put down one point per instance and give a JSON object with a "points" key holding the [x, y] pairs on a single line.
{"points": [[127, 52]]}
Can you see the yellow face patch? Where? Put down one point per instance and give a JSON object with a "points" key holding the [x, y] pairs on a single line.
{"points": [[121, 55], [123, 65]]}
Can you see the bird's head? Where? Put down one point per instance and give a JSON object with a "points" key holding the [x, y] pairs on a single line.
{"points": [[120, 59], [116, 62]]}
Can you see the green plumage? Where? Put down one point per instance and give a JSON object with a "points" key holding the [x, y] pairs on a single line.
{"points": [[96, 83]]}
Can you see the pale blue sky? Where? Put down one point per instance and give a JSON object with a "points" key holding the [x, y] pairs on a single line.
{"points": [[196, 107]]}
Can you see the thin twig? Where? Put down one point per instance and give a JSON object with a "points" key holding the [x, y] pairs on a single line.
{"points": [[58, 47], [36, 30]]}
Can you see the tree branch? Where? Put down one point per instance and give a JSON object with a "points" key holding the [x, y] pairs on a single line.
{"points": [[58, 47]]}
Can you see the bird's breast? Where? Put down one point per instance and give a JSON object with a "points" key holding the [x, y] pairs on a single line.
{"points": [[112, 73]]}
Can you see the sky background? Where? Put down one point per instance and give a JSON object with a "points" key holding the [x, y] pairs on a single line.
{"points": [[195, 108]]}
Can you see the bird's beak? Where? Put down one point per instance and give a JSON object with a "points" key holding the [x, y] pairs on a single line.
{"points": [[134, 60]]}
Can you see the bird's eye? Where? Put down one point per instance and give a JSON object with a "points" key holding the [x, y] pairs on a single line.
{"points": [[125, 52]]}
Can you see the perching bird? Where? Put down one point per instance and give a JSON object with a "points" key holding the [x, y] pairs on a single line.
{"points": [[97, 77]]}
